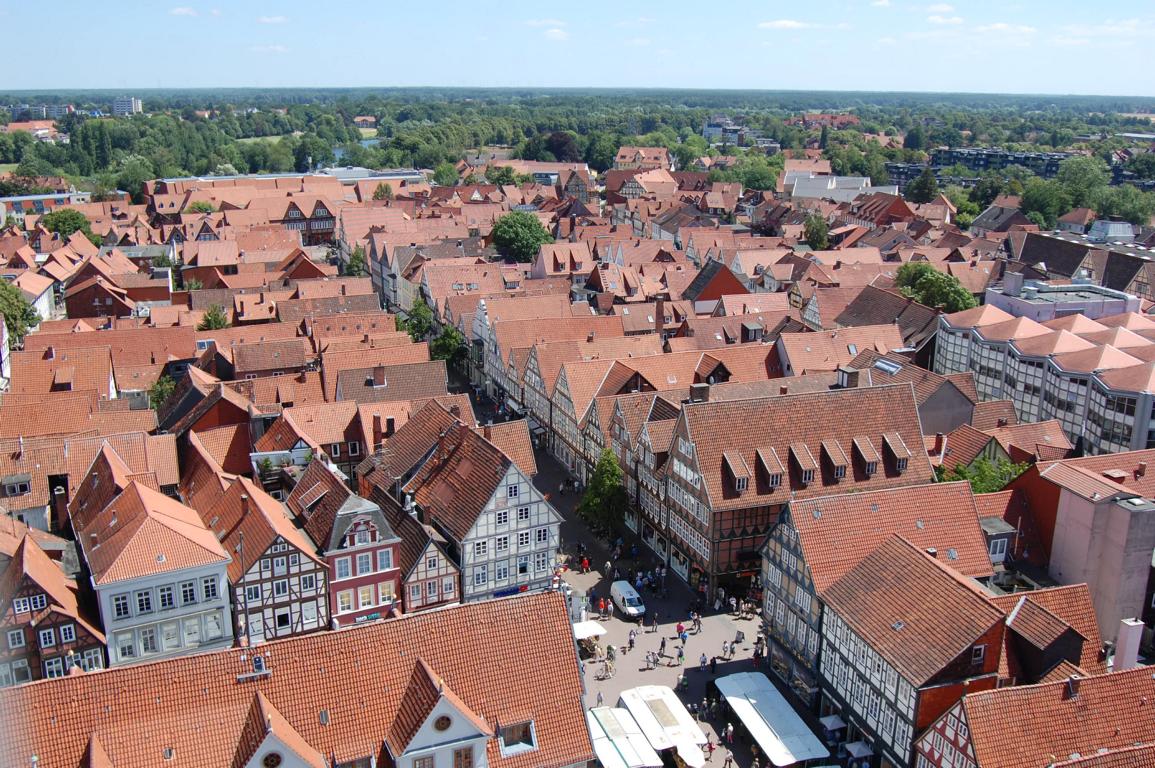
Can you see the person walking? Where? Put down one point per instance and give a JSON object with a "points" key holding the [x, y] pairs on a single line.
{"points": [[681, 655], [702, 662], [633, 637], [729, 761], [662, 648], [713, 665], [655, 621], [725, 650], [710, 747], [601, 699], [730, 734]]}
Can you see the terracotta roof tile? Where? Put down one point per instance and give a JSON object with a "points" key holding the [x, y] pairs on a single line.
{"points": [[309, 684], [993, 413], [919, 632], [826, 350], [412, 381], [512, 438], [1029, 725]]}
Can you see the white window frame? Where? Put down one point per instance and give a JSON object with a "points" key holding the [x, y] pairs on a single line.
{"points": [[68, 633]]}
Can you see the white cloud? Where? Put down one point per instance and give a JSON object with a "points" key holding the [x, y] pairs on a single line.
{"points": [[272, 19], [269, 49], [638, 22], [1003, 27], [1070, 42], [183, 11], [545, 23], [880, 3], [1114, 28], [556, 34], [639, 41], [785, 24], [940, 8], [937, 19]]}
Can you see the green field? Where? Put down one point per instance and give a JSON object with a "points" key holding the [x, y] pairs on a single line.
{"points": [[7, 167], [368, 133]]}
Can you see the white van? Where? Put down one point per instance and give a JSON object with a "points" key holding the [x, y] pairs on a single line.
{"points": [[627, 599]]}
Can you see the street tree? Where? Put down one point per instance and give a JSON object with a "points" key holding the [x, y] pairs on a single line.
{"points": [[65, 221], [445, 175], [605, 501], [161, 391], [419, 322], [383, 192], [16, 312], [1083, 178], [984, 475], [448, 346]]}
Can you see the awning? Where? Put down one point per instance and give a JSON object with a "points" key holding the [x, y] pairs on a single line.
{"points": [[619, 741], [584, 630], [783, 736], [512, 404], [666, 722], [859, 749], [832, 722]]}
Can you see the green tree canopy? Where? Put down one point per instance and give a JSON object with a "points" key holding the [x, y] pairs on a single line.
{"points": [[419, 322], [445, 175], [214, 319], [518, 235], [16, 312], [383, 192], [932, 288], [984, 475], [1048, 198], [605, 501], [449, 346], [356, 266], [200, 206], [816, 232], [1127, 202], [65, 221], [924, 188], [1083, 178], [502, 176], [161, 391]]}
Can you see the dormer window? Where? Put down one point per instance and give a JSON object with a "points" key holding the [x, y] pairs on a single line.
{"points": [[518, 738], [871, 468], [807, 476], [740, 484]]}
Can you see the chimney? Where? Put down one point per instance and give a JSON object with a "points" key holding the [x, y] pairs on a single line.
{"points": [[1141, 470], [699, 393], [377, 429], [659, 315], [244, 505], [938, 441], [344, 291], [1001, 422], [932, 552], [783, 389], [390, 426], [487, 431], [455, 411], [590, 337], [378, 375], [847, 377], [365, 338], [1127, 644], [1072, 687], [49, 353]]}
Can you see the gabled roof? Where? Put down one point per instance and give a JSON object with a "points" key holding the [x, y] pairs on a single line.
{"points": [[1030, 725], [837, 531], [143, 533], [896, 369], [827, 350], [424, 691], [265, 720], [919, 632], [325, 507], [309, 683]]}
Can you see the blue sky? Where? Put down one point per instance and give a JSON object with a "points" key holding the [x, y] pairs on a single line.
{"points": [[1028, 46]]}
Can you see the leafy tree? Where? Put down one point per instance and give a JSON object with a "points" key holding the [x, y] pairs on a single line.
{"points": [[225, 169], [605, 501], [1143, 165], [601, 151], [1127, 202], [563, 146], [1047, 198], [1082, 178], [445, 175], [65, 221], [192, 284], [824, 137], [984, 475], [383, 192], [501, 176], [200, 206], [449, 346], [816, 232], [356, 267], [214, 319], [915, 138], [932, 288], [16, 312], [1038, 219], [518, 235], [419, 322], [924, 188], [161, 391], [986, 190]]}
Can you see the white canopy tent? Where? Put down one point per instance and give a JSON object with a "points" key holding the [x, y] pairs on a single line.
{"points": [[619, 741], [584, 630], [666, 722], [781, 734]]}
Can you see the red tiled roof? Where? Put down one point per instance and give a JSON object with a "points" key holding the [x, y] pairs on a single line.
{"points": [[201, 710], [1030, 725], [918, 631], [837, 531]]}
